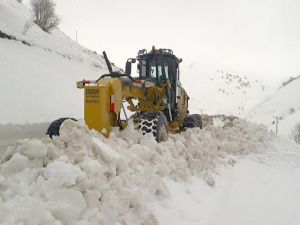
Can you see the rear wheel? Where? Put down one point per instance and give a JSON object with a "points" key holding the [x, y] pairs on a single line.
{"points": [[192, 121], [155, 124], [54, 127]]}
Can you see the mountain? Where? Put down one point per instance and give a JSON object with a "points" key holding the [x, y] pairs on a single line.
{"points": [[283, 104], [221, 92], [39, 70]]}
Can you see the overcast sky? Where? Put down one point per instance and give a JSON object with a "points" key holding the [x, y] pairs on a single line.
{"points": [[254, 37]]}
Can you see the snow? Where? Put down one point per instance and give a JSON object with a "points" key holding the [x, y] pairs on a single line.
{"points": [[106, 151], [13, 17], [33, 149], [11, 133], [82, 178], [230, 92], [66, 205], [40, 80], [50, 94], [231, 172], [284, 104], [259, 189]]}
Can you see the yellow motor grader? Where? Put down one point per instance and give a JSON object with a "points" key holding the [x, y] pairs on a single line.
{"points": [[159, 102]]}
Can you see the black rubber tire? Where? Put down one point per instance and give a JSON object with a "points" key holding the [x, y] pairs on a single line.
{"points": [[192, 121], [53, 129], [155, 124]]}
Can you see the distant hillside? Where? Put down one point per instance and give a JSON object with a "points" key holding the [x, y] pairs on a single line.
{"points": [[39, 70], [283, 104], [221, 92]]}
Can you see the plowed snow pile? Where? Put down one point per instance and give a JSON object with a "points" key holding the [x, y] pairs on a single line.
{"points": [[81, 178]]}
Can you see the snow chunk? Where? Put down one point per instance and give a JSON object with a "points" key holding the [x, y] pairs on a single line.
{"points": [[105, 150], [26, 210], [61, 174], [93, 167], [15, 164], [33, 149], [66, 204]]}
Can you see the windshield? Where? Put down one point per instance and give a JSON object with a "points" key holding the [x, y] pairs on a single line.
{"points": [[158, 71], [153, 68]]}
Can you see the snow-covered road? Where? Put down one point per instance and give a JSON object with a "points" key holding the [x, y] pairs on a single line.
{"points": [[259, 189]]}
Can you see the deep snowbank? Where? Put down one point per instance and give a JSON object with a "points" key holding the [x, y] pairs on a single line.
{"points": [[81, 178]]}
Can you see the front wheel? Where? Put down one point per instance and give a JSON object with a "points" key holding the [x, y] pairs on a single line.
{"points": [[156, 124]]}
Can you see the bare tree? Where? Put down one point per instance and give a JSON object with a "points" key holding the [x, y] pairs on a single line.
{"points": [[27, 26], [44, 14]]}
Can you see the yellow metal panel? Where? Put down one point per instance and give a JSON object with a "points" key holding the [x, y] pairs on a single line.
{"points": [[97, 108]]}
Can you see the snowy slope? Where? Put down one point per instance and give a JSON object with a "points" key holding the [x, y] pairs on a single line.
{"points": [[217, 91], [40, 76], [13, 18], [81, 178], [284, 103]]}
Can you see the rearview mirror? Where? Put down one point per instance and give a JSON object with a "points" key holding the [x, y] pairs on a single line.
{"points": [[128, 68], [128, 65]]}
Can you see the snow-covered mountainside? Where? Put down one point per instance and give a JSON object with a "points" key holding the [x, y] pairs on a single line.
{"points": [[222, 92], [39, 70], [283, 104]]}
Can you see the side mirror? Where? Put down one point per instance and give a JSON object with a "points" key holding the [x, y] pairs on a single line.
{"points": [[180, 60], [128, 68]]}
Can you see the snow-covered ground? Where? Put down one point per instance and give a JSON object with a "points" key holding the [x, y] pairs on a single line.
{"points": [[232, 174], [259, 189]]}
